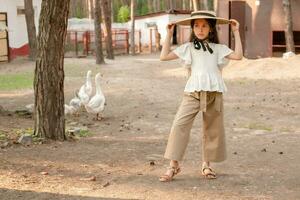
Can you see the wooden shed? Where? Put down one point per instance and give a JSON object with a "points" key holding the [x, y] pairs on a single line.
{"points": [[262, 25]]}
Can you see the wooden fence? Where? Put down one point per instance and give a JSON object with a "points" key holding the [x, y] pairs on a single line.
{"points": [[82, 43]]}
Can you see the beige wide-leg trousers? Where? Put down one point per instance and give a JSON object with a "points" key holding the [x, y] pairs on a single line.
{"points": [[213, 140]]}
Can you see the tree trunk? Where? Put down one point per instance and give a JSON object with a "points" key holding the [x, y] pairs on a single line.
{"points": [[106, 9], [191, 4], [49, 118], [112, 11], [31, 31], [174, 4], [72, 9], [184, 5], [85, 8], [171, 3], [158, 6], [195, 5], [167, 4], [98, 33], [204, 5], [289, 38], [210, 5], [79, 8], [132, 42], [179, 4], [91, 9], [150, 8], [125, 2], [154, 6]]}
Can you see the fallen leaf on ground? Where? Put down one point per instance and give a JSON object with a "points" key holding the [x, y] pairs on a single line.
{"points": [[44, 173], [106, 184], [92, 178]]}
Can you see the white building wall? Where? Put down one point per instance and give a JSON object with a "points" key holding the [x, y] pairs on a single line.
{"points": [[161, 22], [141, 24], [17, 31]]}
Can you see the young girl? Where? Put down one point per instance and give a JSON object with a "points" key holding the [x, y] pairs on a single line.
{"points": [[203, 91]]}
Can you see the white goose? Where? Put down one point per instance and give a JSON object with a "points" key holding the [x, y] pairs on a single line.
{"points": [[75, 102], [97, 102], [69, 110], [30, 107], [86, 90]]}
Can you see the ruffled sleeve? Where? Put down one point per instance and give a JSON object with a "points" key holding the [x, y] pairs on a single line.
{"points": [[184, 53], [223, 51]]}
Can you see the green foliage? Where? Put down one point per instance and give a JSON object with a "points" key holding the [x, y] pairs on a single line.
{"points": [[27, 131], [123, 14], [16, 81], [84, 133], [142, 8], [79, 13], [116, 6]]}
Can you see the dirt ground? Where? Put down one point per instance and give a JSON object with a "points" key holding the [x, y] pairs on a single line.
{"points": [[123, 156]]}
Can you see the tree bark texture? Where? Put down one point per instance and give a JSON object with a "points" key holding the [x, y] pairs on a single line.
{"points": [[289, 38], [98, 33], [91, 9], [31, 30], [106, 10], [132, 41], [195, 5], [49, 118]]}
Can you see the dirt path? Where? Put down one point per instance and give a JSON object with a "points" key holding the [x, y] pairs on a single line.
{"points": [[262, 126]]}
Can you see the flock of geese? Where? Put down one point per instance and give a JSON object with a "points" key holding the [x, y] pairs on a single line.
{"points": [[83, 98]]}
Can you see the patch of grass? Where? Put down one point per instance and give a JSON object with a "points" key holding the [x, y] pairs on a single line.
{"points": [[26, 131], [74, 134], [285, 129], [16, 81], [2, 136], [259, 126], [84, 133], [242, 82]]}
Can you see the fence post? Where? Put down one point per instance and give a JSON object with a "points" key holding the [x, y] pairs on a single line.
{"points": [[150, 45], [114, 38], [140, 43], [157, 39], [76, 44], [127, 42], [87, 42]]}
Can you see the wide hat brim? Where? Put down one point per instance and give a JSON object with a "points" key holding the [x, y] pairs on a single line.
{"points": [[187, 21]]}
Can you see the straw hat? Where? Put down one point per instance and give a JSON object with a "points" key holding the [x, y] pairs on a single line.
{"points": [[202, 14]]}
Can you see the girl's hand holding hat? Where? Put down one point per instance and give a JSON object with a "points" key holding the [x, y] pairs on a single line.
{"points": [[170, 28], [235, 25]]}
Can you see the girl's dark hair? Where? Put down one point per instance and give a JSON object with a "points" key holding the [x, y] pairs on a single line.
{"points": [[213, 34]]}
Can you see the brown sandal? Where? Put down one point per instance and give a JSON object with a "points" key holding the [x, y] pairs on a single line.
{"points": [[209, 175], [169, 176]]}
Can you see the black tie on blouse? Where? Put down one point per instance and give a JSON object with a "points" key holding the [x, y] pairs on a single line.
{"points": [[202, 43]]}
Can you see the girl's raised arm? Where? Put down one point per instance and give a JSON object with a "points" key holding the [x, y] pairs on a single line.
{"points": [[165, 53], [238, 50]]}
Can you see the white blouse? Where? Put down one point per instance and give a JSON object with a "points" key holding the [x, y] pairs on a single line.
{"points": [[205, 67]]}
